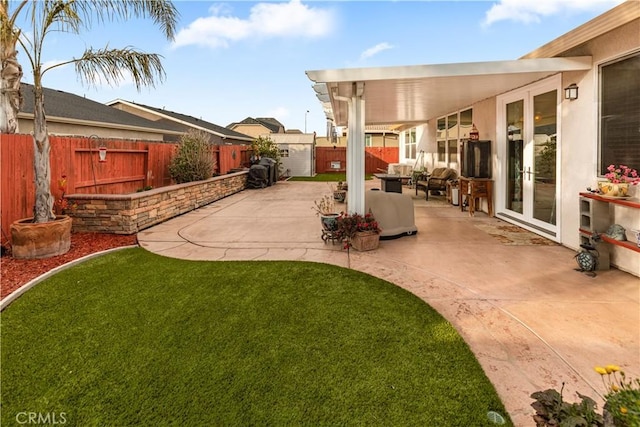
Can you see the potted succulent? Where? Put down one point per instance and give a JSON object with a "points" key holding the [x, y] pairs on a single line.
{"points": [[362, 232]]}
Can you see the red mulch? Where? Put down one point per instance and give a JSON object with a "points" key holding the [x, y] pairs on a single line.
{"points": [[16, 272]]}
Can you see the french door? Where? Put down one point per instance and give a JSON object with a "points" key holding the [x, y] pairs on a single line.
{"points": [[528, 146]]}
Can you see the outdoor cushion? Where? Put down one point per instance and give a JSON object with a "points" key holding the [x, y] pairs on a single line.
{"points": [[437, 180]]}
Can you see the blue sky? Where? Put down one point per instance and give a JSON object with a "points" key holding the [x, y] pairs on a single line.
{"points": [[238, 59]]}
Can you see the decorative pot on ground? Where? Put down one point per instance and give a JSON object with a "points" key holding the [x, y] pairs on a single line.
{"points": [[611, 189], [329, 221], [340, 195], [329, 227], [31, 240], [365, 240]]}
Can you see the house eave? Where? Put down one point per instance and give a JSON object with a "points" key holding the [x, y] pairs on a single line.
{"points": [[608, 21]]}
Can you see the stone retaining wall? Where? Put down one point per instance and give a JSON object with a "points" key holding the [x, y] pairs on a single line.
{"points": [[130, 213]]}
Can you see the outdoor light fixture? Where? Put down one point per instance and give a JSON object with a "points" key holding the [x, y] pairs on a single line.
{"points": [[102, 154], [571, 92]]}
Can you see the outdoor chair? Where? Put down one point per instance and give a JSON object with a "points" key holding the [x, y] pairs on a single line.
{"points": [[436, 181]]}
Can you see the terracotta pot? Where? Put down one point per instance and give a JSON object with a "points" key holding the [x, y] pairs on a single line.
{"points": [[31, 240], [365, 240]]}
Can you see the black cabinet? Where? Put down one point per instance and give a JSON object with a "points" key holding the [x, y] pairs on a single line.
{"points": [[475, 158]]}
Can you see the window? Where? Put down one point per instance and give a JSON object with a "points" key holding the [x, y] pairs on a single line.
{"points": [[620, 113], [441, 137], [410, 144], [450, 130], [368, 140], [284, 152]]}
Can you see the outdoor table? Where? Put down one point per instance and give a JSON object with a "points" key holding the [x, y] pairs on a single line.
{"points": [[391, 183]]}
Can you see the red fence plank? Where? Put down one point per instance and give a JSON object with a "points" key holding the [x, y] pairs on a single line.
{"points": [[375, 158]]}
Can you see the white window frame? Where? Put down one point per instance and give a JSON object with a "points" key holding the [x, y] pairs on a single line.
{"points": [[445, 158], [410, 140], [601, 166]]}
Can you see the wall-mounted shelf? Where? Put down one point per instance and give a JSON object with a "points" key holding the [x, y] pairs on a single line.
{"points": [[594, 217], [623, 243], [632, 203]]}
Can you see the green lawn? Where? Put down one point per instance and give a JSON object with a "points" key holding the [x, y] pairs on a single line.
{"points": [[327, 177], [132, 338]]}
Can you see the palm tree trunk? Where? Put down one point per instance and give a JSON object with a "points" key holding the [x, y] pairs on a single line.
{"points": [[10, 73], [10, 97], [43, 209]]}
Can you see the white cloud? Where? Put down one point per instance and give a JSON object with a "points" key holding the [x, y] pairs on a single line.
{"points": [[266, 20], [375, 50], [528, 11], [279, 113]]}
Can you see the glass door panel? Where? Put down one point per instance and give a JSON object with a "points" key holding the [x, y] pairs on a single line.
{"points": [[544, 162], [515, 155]]}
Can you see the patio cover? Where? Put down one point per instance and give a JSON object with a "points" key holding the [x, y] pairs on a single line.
{"points": [[411, 95]]}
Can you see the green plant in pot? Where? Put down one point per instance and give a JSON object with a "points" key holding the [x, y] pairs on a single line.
{"points": [[92, 66]]}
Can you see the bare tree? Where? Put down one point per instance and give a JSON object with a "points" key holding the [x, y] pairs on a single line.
{"points": [[70, 16]]}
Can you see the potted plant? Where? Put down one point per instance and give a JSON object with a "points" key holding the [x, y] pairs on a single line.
{"points": [[324, 208], [361, 232], [618, 180], [340, 192], [47, 18]]}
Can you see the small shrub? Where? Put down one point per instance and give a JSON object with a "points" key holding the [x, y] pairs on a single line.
{"points": [[622, 398], [193, 160], [552, 410], [264, 146], [621, 408]]}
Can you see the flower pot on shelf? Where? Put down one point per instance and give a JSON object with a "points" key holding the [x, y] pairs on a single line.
{"points": [[31, 240], [611, 189], [365, 240]]}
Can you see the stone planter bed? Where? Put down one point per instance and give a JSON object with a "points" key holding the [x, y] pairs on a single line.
{"points": [[130, 213]]}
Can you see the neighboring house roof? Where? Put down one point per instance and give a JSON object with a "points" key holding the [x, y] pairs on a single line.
{"points": [[67, 107], [270, 123], [185, 120]]}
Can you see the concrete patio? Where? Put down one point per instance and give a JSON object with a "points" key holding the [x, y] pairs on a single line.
{"points": [[532, 321]]}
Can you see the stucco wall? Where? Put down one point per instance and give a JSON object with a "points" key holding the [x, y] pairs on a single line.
{"points": [[251, 130], [579, 149], [130, 213]]}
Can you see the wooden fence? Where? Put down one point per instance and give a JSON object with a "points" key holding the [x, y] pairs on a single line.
{"points": [[330, 159], [130, 166]]}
